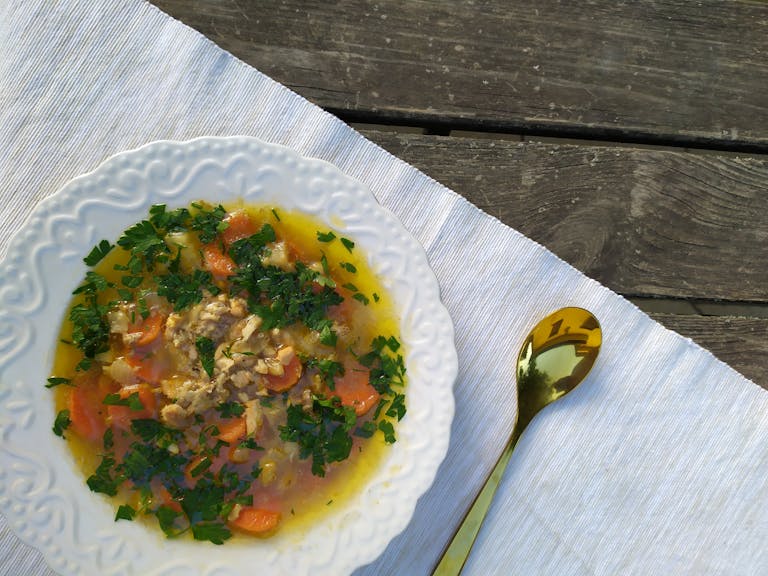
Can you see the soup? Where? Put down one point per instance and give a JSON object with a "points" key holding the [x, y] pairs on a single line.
{"points": [[228, 370]]}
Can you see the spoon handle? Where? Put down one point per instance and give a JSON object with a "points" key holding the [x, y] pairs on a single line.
{"points": [[458, 550]]}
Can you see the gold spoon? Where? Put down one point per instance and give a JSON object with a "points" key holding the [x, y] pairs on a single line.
{"points": [[556, 356]]}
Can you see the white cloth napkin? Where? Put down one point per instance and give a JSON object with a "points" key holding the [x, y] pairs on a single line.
{"points": [[656, 465]]}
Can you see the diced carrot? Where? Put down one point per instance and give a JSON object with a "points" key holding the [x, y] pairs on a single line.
{"points": [[354, 388], [87, 412], [239, 226], [121, 416], [291, 375], [149, 328], [231, 430], [218, 263], [256, 520], [145, 368]]}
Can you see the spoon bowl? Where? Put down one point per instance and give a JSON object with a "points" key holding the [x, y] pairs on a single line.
{"points": [[555, 357]]}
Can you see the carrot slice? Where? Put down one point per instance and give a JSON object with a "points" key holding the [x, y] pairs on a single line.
{"points": [[87, 412], [232, 430], [255, 520], [218, 263], [239, 226], [291, 375], [150, 329], [354, 388], [121, 416]]}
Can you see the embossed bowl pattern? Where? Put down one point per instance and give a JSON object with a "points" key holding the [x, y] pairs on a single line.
{"points": [[44, 496]]}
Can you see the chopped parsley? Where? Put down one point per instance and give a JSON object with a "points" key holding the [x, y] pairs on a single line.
{"points": [[206, 350], [208, 222], [321, 432], [230, 409], [125, 512], [202, 484], [132, 401], [98, 253], [61, 423], [348, 244], [57, 381]]}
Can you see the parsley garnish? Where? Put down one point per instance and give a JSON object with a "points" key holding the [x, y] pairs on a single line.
{"points": [[145, 243], [61, 423], [98, 253], [125, 512], [102, 480], [327, 368], [321, 432], [208, 222], [132, 401], [325, 236], [206, 350], [215, 532], [348, 244], [184, 290], [173, 221], [56, 381], [230, 409]]}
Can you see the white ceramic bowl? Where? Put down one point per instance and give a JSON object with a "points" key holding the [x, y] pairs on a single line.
{"points": [[42, 493]]}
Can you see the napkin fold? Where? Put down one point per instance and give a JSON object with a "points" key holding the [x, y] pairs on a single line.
{"points": [[655, 465]]}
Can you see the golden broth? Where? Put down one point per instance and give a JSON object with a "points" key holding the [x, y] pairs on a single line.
{"points": [[378, 317]]}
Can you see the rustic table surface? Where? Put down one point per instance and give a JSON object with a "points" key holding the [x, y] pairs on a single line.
{"points": [[630, 138]]}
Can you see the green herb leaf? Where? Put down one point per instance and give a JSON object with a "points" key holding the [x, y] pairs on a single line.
{"points": [[206, 350], [125, 512], [174, 221], [348, 244], [360, 297], [132, 281], [166, 518], [215, 532], [98, 253], [93, 284], [325, 236], [102, 480], [108, 439], [208, 222], [328, 369], [389, 431], [328, 337], [321, 432], [349, 267], [230, 409], [56, 381], [61, 423], [184, 290], [132, 401], [144, 242]]}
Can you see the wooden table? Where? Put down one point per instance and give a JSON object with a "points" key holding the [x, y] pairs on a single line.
{"points": [[630, 138]]}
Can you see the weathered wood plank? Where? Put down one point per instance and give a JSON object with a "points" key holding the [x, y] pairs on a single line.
{"points": [[662, 70], [740, 342], [642, 222]]}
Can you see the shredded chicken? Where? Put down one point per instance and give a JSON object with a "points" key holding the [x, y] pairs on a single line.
{"points": [[244, 356]]}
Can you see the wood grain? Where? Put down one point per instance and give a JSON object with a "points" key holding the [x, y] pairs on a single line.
{"points": [[740, 342], [646, 70], [642, 222]]}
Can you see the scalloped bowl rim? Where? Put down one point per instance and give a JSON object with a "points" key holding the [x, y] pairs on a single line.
{"points": [[44, 496]]}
